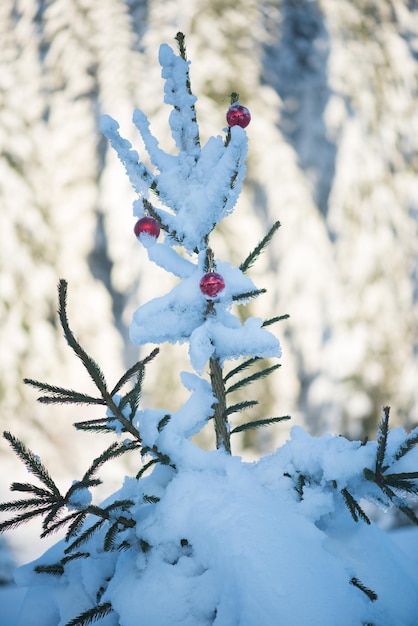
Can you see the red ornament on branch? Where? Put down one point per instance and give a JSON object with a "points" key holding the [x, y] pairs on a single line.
{"points": [[238, 115], [211, 284], [147, 226]]}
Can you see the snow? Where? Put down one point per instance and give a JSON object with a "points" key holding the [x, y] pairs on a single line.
{"points": [[231, 544]]}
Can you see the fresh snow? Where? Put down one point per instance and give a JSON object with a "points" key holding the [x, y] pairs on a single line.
{"points": [[231, 544]]}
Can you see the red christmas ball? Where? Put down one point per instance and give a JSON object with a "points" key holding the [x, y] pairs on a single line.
{"points": [[211, 284], [238, 115], [147, 226]]}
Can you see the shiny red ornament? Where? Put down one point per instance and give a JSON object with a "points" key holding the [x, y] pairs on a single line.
{"points": [[147, 226], [211, 284], [238, 115]]}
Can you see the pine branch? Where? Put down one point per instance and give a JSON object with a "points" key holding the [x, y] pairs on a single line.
{"points": [[28, 488], [110, 537], [273, 320], [248, 294], [84, 483], [145, 468], [133, 396], [250, 379], [220, 415], [32, 463], [163, 422], [52, 528], [112, 452], [410, 513], [98, 425], [90, 364], [180, 38], [132, 371], [92, 615], [49, 524], [56, 570], [75, 526], [259, 423], [354, 507], [240, 406], [150, 499], [19, 505], [241, 367], [382, 440], [86, 535], [372, 595], [409, 443], [22, 518], [253, 256], [60, 395]]}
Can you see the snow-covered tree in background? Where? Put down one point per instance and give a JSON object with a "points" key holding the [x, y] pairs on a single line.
{"points": [[199, 536], [332, 87]]}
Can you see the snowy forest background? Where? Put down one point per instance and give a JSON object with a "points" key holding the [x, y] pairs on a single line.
{"points": [[332, 88]]}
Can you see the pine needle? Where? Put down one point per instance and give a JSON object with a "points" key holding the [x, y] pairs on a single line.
{"points": [[32, 463], [259, 423], [248, 294], [91, 615], [273, 320], [255, 253], [372, 595], [409, 443], [132, 371], [250, 379], [240, 406], [354, 507], [382, 440], [90, 364], [239, 368]]}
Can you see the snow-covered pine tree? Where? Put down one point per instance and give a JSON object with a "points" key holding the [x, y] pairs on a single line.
{"points": [[198, 536]]}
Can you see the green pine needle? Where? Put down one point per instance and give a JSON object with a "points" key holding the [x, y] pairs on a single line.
{"points": [[382, 440], [92, 615], [255, 253], [75, 525], [236, 370], [145, 468], [410, 513], [132, 371], [85, 536], [354, 507], [163, 422], [114, 451], [259, 423], [273, 320], [90, 364], [240, 406], [250, 379], [22, 518], [110, 537], [53, 527], [32, 463], [372, 595], [60, 395], [150, 499], [55, 570], [409, 443], [19, 505], [28, 488], [248, 294], [100, 425]]}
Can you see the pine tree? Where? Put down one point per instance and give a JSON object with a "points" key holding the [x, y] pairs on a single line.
{"points": [[198, 536]]}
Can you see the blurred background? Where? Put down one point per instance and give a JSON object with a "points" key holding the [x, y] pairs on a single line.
{"points": [[333, 154]]}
